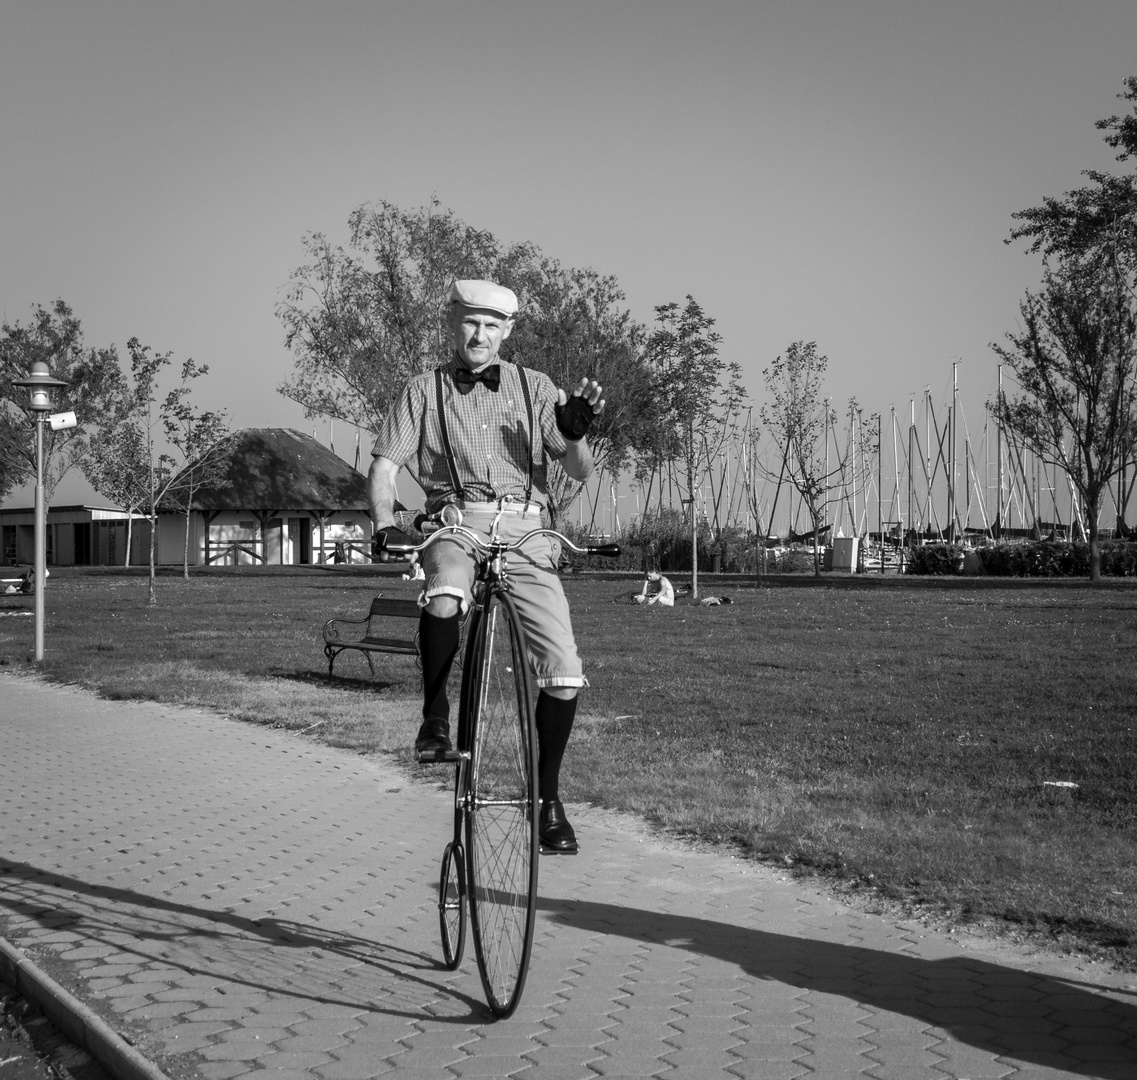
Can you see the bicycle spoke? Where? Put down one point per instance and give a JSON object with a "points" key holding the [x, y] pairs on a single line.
{"points": [[501, 821], [452, 905]]}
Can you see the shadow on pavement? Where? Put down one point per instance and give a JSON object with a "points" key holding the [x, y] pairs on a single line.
{"points": [[229, 948], [1032, 1017], [1029, 1016]]}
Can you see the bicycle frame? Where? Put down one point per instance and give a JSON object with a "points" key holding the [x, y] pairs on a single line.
{"points": [[489, 869]]}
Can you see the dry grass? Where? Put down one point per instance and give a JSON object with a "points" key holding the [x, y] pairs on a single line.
{"points": [[895, 735]]}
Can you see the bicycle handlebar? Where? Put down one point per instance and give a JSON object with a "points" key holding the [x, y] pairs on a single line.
{"points": [[488, 547]]}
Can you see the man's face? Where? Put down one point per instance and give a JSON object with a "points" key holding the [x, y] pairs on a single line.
{"points": [[477, 334]]}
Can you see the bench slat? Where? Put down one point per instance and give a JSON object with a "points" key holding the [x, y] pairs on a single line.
{"points": [[392, 608], [402, 644]]}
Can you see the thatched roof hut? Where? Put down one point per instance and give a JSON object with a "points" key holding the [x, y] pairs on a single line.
{"points": [[282, 496], [271, 469]]}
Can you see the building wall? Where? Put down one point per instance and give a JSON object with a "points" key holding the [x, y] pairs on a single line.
{"points": [[89, 536], [74, 536], [291, 539]]}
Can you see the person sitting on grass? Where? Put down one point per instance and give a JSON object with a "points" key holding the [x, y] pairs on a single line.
{"points": [[660, 588], [28, 581]]}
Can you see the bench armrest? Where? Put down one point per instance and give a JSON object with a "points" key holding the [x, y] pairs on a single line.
{"points": [[333, 632]]}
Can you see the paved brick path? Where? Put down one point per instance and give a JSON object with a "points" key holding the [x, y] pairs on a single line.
{"points": [[232, 898]]}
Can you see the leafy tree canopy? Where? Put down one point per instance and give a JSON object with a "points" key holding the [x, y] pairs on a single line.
{"points": [[1095, 224], [695, 394], [1074, 357], [1075, 360], [93, 378], [362, 319]]}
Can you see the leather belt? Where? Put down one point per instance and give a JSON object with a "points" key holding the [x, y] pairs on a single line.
{"points": [[503, 506]]}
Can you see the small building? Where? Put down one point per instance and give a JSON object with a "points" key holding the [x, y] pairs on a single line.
{"points": [[76, 536], [284, 499]]}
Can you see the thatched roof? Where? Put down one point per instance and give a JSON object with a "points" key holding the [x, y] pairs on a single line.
{"points": [[272, 469]]}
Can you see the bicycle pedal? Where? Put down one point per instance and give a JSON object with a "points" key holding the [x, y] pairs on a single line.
{"points": [[437, 757], [558, 851]]}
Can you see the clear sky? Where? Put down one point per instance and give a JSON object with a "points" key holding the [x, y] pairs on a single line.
{"points": [[841, 171]]}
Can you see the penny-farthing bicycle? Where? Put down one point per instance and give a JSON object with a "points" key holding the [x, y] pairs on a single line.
{"points": [[489, 868]]}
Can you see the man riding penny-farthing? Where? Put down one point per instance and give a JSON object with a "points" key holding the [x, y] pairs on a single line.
{"points": [[476, 434]]}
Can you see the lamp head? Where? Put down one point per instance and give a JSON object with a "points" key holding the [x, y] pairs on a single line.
{"points": [[40, 382]]}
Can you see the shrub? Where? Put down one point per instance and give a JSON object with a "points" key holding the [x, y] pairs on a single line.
{"points": [[739, 551], [1006, 560], [1047, 558], [795, 560], [663, 539], [630, 557], [1119, 559], [938, 559]]}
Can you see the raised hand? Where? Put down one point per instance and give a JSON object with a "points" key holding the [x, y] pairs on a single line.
{"points": [[576, 412]]}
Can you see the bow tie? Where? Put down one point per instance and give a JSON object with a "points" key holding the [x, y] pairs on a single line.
{"points": [[491, 376]]}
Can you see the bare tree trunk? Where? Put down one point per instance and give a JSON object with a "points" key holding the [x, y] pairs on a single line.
{"points": [[815, 517], [1095, 542], [185, 546], [694, 553], [153, 598]]}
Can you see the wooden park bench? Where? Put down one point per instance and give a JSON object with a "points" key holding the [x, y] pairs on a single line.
{"points": [[375, 635]]}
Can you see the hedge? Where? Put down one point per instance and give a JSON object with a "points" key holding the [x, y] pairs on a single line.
{"points": [[1042, 558]]}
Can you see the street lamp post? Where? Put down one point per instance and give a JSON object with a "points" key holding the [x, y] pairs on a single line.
{"points": [[40, 384]]}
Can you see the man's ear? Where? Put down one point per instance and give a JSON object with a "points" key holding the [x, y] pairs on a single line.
{"points": [[507, 329]]}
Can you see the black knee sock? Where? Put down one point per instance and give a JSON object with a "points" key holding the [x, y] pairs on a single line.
{"points": [[437, 643], [554, 718]]}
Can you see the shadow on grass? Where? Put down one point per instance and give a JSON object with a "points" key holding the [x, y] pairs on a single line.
{"points": [[1031, 1017], [338, 684]]}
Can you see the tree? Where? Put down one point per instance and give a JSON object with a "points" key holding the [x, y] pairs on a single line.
{"points": [[799, 419], [360, 321], [1075, 360], [1094, 228], [53, 335], [116, 468], [11, 434], [142, 414], [697, 395], [575, 325], [202, 438]]}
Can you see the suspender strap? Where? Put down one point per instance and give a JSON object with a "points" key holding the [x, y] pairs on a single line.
{"points": [[452, 465], [532, 431], [459, 490]]}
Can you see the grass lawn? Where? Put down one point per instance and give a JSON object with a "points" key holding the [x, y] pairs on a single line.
{"points": [[903, 737]]}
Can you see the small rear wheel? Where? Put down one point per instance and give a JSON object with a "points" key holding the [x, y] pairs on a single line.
{"points": [[452, 905]]}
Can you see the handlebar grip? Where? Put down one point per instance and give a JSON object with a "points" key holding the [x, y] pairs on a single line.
{"points": [[385, 550], [609, 551]]}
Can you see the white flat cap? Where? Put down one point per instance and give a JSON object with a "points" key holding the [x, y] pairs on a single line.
{"points": [[484, 294]]}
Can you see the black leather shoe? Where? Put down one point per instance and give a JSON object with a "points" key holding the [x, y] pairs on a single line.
{"points": [[557, 837], [433, 742]]}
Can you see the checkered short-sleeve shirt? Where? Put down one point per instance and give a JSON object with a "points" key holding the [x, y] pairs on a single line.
{"points": [[488, 433]]}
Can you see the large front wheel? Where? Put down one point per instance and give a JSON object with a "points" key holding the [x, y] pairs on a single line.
{"points": [[501, 818]]}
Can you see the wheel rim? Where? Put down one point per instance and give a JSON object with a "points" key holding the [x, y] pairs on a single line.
{"points": [[452, 905], [501, 822]]}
